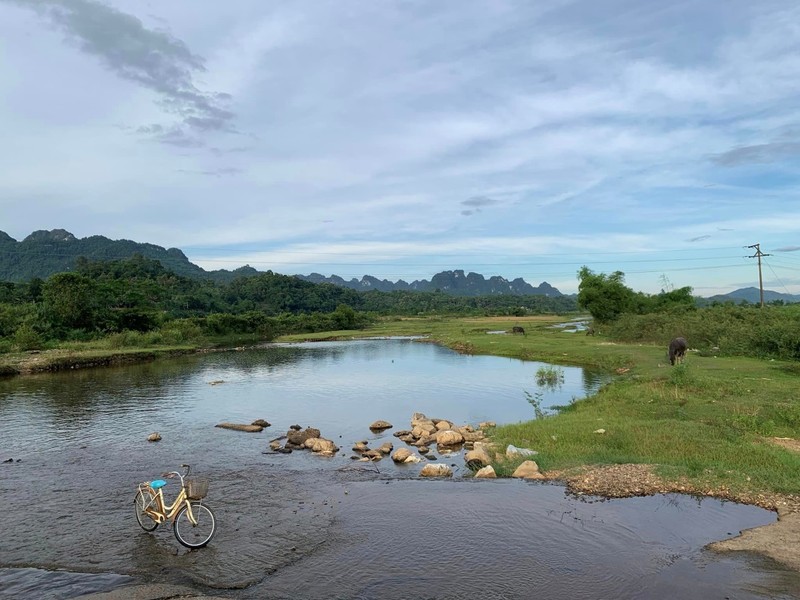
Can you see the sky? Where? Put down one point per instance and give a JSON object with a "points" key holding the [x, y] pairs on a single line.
{"points": [[401, 138]]}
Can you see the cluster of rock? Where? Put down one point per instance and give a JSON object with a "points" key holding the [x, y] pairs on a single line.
{"points": [[425, 434], [309, 438]]}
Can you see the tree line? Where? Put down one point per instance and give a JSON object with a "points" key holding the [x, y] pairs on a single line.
{"points": [[140, 301]]}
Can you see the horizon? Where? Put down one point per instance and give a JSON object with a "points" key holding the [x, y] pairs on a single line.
{"points": [[402, 139]]}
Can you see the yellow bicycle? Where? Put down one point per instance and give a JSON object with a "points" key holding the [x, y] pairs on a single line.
{"points": [[192, 521]]}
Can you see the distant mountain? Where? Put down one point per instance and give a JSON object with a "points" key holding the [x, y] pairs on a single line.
{"points": [[753, 296], [43, 253], [455, 283]]}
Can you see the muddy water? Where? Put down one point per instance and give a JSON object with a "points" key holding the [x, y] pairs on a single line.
{"points": [[302, 526]]}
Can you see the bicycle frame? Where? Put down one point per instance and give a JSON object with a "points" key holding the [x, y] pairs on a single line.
{"points": [[158, 509]]}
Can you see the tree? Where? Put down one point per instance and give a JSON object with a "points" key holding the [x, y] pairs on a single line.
{"points": [[69, 300], [606, 297]]}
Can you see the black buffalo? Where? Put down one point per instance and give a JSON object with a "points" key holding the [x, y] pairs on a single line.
{"points": [[677, 350], [517, 329]]}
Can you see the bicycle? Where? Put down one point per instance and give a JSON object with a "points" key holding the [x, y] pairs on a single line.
{"points": [[192, 521]]}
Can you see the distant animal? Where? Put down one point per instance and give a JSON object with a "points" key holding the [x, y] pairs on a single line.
{"points": [[677, 350], [517, 329], [590, 331]]}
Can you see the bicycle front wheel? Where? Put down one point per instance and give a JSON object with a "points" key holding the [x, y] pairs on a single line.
{"points": [[195, 536], [145, 499]]}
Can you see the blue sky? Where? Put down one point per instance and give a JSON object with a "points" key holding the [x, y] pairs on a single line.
{"points": [[403, 138]]}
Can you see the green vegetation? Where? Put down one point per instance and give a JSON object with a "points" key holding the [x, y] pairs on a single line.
{"points": [[136, 303]]}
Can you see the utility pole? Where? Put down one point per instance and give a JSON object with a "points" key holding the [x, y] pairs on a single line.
{"points": [[758, 255]]}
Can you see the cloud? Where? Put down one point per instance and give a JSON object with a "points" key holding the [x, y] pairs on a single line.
{"points": [[476, 203], [153, 59], [699, 238], [787, 249], [759, 153]]}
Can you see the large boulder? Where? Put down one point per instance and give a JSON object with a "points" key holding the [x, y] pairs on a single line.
{"points": [[324, 447], [477, 458], [448, 437], [528, 470], [442, 425], [298, 438], [401, 454], [435, 470]]}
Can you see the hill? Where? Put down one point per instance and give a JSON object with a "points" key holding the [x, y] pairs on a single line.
{"points": [[753, 296], [455, 283], [44, 253]]}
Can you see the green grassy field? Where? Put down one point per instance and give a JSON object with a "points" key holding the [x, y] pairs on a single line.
{"points": [[708, 421]]}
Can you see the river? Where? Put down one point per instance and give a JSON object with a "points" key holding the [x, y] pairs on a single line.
{"points": [[302, 526]]}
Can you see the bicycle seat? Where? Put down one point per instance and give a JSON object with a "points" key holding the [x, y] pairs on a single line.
{"points": [[157, 483]]}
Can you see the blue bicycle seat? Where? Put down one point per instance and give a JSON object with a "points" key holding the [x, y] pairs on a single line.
{"points": [[157, 483]]}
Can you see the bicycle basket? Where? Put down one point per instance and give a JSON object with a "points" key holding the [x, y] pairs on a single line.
{"points": [[196, 488]]}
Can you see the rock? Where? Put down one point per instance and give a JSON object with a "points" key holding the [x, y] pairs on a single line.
{"points": [[360, 447], [8, 460], [216, 382], [423, 449], [408, 439], [443, 425], [380, 425], [261, 423], [513, 451], [472, 436], [487, 425], [412, 459], [386, 448], [154, 437], [241, 427], [299, 437], [448, 437], [599, 431], [401, 433], [435, 470], [486, 472], [283, 450], [323, 446], [418, 417], [528, 470], [295, 427], [425, 440], [274, 444], [373, 454], [401, 454], [477, 458]]}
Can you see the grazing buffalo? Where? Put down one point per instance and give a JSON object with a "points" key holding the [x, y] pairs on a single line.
{"points": [[517, 329], [677, 350]]}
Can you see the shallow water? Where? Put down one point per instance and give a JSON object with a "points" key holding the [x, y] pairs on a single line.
{"points": [[303, 526]]}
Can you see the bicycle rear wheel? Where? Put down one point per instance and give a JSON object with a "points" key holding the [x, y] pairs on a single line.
{"points": [[195, 536], [145, 499]]}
